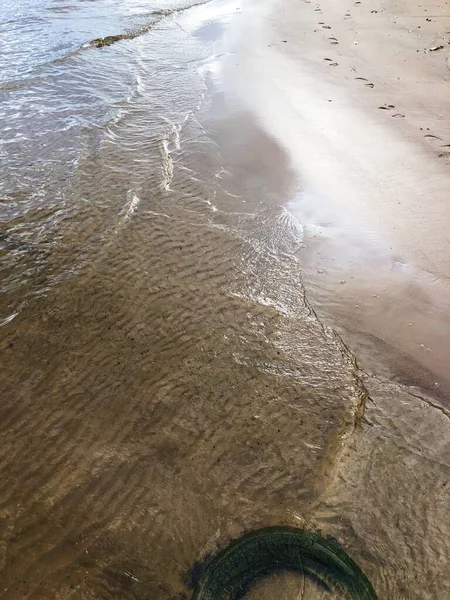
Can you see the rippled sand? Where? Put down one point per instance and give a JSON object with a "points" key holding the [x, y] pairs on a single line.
{"points": [[166, 382]]}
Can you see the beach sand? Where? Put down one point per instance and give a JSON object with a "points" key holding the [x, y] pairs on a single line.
{"points": [[229, 344], [356, 94]]}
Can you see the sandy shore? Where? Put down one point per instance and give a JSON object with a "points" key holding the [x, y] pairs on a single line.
{"points": [[357, 96], [166, 382]]}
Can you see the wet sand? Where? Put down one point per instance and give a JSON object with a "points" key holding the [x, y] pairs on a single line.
{"points": [[176, 387], [366, 100]]}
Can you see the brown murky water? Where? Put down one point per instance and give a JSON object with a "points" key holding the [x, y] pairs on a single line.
{"points": [[165, 383]]}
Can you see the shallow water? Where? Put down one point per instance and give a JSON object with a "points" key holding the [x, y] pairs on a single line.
{"points": [[166, 384]]}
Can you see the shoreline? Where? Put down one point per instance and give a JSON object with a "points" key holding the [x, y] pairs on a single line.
{"points": [[372, 190], [178, 389]]}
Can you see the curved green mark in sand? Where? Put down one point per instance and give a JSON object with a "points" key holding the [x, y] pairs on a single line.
{"points": [[271, 549]]}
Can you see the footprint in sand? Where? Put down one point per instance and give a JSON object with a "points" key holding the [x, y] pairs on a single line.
{"points": [[395, 115], [446, 152], [431, 137], [367, 82]]}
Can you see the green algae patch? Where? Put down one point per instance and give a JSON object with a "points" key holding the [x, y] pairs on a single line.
{"points": [[265, 551]]}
